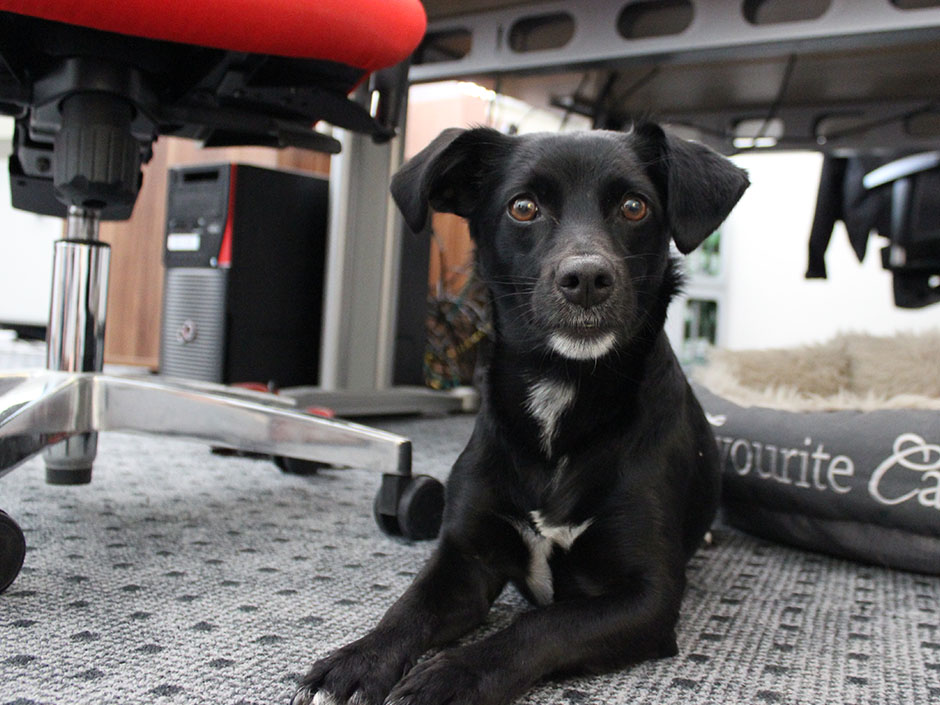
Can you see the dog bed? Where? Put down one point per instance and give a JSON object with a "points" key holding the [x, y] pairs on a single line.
{"points": [[833, 447]]}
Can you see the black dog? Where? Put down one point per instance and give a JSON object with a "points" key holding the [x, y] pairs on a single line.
{"points": [[592, 474]]}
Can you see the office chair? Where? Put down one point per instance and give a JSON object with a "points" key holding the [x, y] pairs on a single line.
{"points": [[91, 86], [896, 195], [913, 256]]}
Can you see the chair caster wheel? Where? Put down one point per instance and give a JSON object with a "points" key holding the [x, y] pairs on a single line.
{"points": [[293, 466], [12, 550], [410, 507]]}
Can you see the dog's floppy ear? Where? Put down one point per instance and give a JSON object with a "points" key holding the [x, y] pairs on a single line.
{"points": [[701, 186], [446, 174]]}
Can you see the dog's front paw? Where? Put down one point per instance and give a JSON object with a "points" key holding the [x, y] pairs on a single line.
{"points": [[304, 696], [452, 677], [361, 673]]}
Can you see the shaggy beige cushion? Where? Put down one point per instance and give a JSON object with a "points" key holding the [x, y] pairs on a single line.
{"points": [[851, 371]]}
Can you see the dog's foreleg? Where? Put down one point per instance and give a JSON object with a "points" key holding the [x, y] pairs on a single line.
{"points": [[580, 635], [450, 596]]}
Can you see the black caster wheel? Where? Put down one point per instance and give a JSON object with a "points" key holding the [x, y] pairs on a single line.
{"points": [[12, 550], [293, 466], [411, 507]]}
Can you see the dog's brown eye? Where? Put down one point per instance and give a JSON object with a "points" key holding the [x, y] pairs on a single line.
{"points": [[523, 209], [634, 209]]}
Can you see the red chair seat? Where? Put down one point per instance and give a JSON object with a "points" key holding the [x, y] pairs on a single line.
{"points": [[365, 34]]}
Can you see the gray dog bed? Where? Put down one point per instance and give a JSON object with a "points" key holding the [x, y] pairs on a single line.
{"points": [[835, 447]]}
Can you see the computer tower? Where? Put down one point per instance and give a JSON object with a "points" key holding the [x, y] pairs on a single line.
{"points": [[245, 252]]}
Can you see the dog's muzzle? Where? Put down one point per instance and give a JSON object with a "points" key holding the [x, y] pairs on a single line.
{"points": [[581, 326]]}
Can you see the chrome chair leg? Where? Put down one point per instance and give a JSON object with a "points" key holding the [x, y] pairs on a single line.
{"points": [[39, 409], [75, 338]]}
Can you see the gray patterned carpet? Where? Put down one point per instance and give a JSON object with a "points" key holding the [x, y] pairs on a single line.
{"points": [[179, 576]]}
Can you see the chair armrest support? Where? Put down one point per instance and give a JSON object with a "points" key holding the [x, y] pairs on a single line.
{"points": [[901, 168]]}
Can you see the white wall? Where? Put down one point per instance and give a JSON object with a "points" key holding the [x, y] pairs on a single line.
{"points": [[769, 303]]}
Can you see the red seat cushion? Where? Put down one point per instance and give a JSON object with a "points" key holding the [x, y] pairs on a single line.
{"points": [[365, 34]]}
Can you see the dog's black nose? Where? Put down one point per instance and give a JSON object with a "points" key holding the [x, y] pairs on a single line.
{"points": [[586, 280]]}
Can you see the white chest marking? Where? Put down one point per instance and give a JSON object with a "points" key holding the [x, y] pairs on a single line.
{"points": [[547, 401], [541, 541]]}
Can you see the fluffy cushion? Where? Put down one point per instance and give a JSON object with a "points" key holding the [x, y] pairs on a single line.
{"points": [[851, 371]]}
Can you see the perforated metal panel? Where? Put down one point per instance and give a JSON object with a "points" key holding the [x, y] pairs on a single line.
{"points": [[192, 341]]}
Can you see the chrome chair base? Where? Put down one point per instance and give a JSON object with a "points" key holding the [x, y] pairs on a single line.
{"points": [[42, 409], [61, 410]]}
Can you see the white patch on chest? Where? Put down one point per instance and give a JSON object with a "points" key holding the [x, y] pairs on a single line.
{"points": [[548, 399], [541, 541]]}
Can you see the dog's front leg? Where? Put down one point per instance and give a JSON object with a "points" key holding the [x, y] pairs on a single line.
{"points": [[592, 634], [450, 596]]}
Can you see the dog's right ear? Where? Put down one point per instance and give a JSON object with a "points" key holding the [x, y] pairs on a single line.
{"points": [[446, 174]]}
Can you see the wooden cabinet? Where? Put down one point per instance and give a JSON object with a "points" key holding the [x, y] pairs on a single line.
{"points": [[135, 293]]}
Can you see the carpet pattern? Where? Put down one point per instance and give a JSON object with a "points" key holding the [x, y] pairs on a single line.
{"points": [[179, 576]]}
